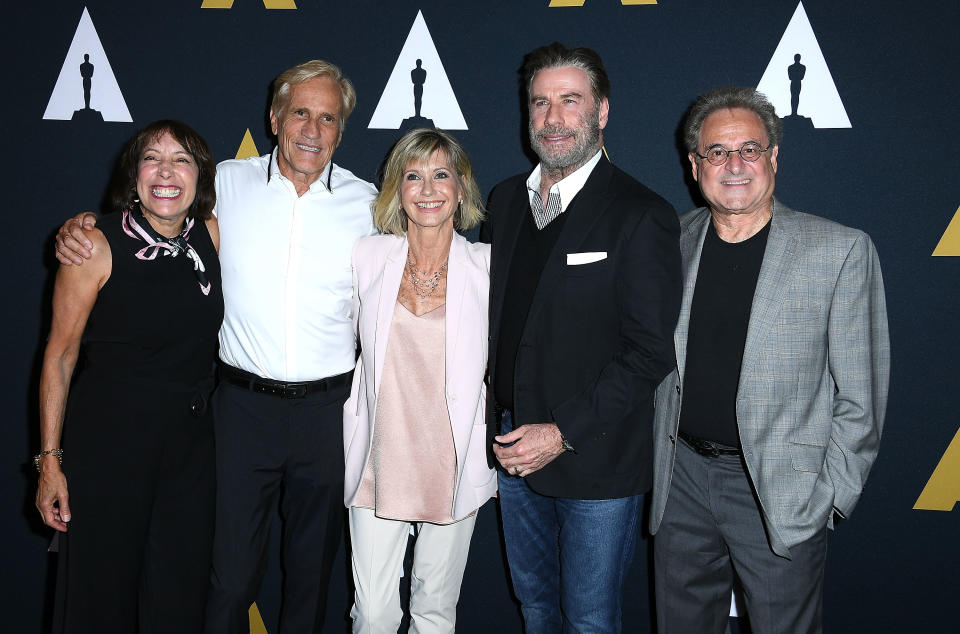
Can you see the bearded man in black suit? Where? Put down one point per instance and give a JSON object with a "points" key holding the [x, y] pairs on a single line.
{"points": [[585, 293]]}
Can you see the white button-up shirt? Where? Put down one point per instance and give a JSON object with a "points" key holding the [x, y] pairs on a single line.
{"points": [[568, 187], [285, 261]]}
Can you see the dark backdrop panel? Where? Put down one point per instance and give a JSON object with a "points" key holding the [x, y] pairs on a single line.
{"points": [[895, 65]]}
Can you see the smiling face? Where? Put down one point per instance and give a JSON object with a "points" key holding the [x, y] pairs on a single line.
{"points": [[565, 123], [737, 187], [430, 193], [308, 130], [166, 183]]}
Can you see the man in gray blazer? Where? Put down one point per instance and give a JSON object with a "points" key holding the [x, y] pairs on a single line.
{"points": [[769, 425]]}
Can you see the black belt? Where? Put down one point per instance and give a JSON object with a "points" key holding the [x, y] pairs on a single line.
{"points": [[707, 448], [281, 389]]}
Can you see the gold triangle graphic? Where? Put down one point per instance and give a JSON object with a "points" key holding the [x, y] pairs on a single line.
{"points": [[256, 622], [247, 147], [950, 242], [228, 4], [942, 490], [580, 3]]}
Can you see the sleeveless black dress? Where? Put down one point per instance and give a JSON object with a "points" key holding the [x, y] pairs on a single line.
{"points": [[138, 444]]}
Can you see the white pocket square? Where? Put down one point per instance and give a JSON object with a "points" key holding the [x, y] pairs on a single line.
{"points": [[585, 258]]}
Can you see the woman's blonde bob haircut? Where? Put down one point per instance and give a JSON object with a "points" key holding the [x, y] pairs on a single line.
{"points": [[417, 146]]}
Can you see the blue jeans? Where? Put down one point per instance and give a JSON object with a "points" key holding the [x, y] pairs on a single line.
{"points": [[568, 558]]}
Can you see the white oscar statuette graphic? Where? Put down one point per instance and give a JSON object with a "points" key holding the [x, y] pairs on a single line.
{"points": [[797, 81], [86, 89], [418, 93]]}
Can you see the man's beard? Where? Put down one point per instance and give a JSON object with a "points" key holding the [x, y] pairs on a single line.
{"points": [[586, 138]]}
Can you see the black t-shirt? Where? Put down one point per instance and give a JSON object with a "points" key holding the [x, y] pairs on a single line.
{"points": [[719, 316]]}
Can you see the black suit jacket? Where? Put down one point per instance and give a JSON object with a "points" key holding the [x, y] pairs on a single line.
{"points": [[598, 337]]}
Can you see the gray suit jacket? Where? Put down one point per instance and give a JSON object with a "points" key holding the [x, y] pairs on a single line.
{"points": [[814, 377]]}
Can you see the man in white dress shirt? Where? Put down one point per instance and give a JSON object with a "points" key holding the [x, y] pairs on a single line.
{"points": [[288, 221]]}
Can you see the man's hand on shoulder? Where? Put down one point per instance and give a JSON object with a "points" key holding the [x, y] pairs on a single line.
{"points": [[73, 245], [534, 447]]}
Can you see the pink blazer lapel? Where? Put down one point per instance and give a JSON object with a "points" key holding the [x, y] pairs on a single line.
{"points": [[386, 304], [456, 284]]}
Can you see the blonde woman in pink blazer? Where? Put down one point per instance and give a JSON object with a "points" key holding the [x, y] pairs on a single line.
{"points": [[414, 425]]}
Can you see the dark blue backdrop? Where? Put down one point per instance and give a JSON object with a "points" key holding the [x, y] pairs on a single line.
{"points": [[894, 173]]}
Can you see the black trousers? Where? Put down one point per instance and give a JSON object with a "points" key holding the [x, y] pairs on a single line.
{"points": [[270, 449], [136, 557]]}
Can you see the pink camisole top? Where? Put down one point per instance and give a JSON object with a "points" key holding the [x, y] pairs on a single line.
{"points": [[411, 472]]}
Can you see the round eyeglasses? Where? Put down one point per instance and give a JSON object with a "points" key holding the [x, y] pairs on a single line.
{"points": [[718, 155]]}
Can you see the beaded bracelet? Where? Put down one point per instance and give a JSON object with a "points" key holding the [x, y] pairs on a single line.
{"points": [[48, 452]]}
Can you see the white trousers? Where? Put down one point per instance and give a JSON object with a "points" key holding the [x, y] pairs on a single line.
{"points": [[439, 558]]}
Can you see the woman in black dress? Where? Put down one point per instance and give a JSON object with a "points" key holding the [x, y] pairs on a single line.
{"points": [[137, 435]]}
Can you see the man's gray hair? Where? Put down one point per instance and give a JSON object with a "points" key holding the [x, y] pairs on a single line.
{"points": [[557, 55], [726, 98], [311, 70]]}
